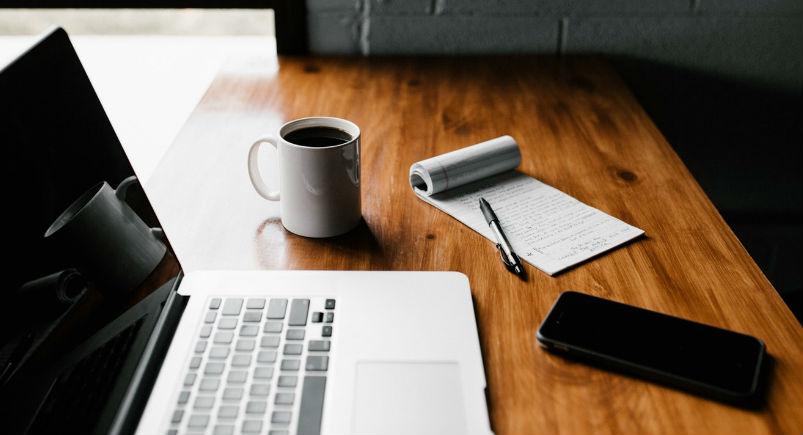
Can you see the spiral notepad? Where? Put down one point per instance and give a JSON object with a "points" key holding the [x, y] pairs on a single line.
{"points": [[547, 228]]}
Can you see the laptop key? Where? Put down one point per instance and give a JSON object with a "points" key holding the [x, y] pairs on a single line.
{"points": [[252, 316], [198, 421], [195, 362], [256, 407], [228, 411], [293, 349], [209, 384], [330, 317], [183, 397], [295, 334], [233, 393], [241, 360], [244, 345], [330, 304], [214, 304], [291, 365], [232, 306], [277, 308], [204, 402], [189, 379], [317, 317], [206, 331], [177, 416], [260, 389], [280, 417], [210, 317], [269, 341], [214, 368], [319, 345], [223, 429], [200, 346], [252, 426], [317, 363], [237, 377], [326, 331], [278, 432], [219, 352], [311, 409], [223, 337], [284, 398], [272, 327], [263, 372], [288, 381], [227, 323], [298, 312], [266, 356], [249, 330], [255, 303]]}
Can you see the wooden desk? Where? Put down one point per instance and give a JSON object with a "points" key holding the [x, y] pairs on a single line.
{"points": [[581, 131]]}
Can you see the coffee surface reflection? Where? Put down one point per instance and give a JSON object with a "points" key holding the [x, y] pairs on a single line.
{"points": [[318, 137]]}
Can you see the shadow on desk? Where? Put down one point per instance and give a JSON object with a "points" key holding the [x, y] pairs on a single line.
{"points": [[757, 403], [742, 141], [277, 247]]}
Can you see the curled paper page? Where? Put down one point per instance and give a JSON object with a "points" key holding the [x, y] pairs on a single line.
{"points": [[465, 165]]}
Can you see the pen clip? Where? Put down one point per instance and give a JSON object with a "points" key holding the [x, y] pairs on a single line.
{"points": [[506, 261]]}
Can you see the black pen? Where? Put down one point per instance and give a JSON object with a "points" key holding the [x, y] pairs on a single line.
{"points": [[509, 258]]}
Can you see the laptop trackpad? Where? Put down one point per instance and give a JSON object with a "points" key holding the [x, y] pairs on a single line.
{"points": [[409, 398]]}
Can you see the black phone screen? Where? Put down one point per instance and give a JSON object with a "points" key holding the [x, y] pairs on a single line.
{"points": [[675, 347]]}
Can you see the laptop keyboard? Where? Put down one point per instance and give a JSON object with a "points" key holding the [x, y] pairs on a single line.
{"points": [[258, 366]]}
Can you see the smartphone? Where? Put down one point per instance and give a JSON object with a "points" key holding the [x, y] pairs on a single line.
{"points": [[704, 359]]}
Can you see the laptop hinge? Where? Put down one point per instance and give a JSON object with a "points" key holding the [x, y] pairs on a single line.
{"points": [[144, 376]]}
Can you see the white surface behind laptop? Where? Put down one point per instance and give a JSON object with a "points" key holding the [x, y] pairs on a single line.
{"points": [[149, 84]]}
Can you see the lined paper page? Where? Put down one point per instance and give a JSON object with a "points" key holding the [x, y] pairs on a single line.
{"points": [[547, 228]]}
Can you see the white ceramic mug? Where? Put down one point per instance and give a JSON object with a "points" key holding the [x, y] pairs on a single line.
{"points": [[319, 187], [106, 240]]}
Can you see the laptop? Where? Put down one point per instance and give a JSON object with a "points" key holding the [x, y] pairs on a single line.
{"points": [[213, 352]]}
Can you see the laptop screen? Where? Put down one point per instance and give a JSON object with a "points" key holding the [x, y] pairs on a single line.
{"points": [[80, 234]]}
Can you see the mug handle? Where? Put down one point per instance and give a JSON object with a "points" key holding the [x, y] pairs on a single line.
{"points": [[122, 189], [253, 170]]}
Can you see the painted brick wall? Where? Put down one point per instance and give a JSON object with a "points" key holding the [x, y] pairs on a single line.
{"points": [[758, 41]]}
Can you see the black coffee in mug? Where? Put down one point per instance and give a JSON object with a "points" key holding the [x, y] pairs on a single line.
{"points": [[318, 137]]}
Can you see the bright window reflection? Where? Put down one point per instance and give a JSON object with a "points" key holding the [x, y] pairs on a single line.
{"points": [[210, 22]]}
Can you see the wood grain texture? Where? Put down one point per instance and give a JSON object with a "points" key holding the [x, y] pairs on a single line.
{"points": [[581, 131]]}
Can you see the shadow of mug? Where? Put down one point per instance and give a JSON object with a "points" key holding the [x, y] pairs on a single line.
{"points": [[102, 236]]}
